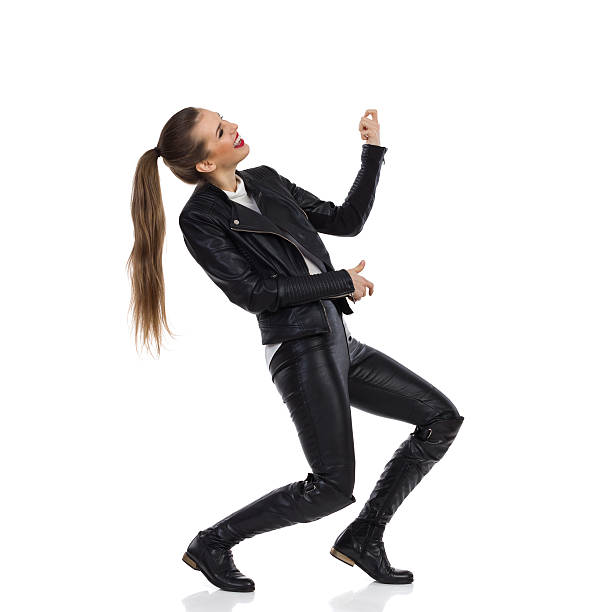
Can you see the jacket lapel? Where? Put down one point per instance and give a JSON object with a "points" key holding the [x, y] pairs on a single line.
{"points": [[274, 217], [243, 218]]}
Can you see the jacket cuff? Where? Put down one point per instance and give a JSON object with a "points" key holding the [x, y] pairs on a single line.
{"points": [[370, 151], [309, 288]]}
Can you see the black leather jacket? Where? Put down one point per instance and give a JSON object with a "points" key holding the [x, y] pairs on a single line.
{"points": [[255, 259]]}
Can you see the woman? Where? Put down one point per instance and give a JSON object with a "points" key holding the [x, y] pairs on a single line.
{"points": [[256, 235]]}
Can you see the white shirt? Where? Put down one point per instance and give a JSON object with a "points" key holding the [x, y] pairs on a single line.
{"points": [[242, 197]]}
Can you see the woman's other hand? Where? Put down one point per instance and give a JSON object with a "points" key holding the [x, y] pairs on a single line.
{"points": [[360, 283], [369, 128]]}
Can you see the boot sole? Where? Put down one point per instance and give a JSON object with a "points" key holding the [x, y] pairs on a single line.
{"points": [[342, 557], [196, 566]]}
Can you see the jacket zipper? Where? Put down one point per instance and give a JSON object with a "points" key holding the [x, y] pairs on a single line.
{"points": [[334, 296], [326, 319], [303, 212], [236, 229]]}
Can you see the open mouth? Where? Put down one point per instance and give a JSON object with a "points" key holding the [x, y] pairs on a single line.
{"points": [[238, 142]]}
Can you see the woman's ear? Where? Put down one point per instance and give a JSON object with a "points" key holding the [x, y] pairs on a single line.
{"points": [[206, 166]]}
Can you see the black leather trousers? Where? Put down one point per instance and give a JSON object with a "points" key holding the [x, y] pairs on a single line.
{"points": [[320, 378]]}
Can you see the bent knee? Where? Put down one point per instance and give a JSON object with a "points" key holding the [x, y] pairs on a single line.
{"points": [[337, 499], [335, 489], [443, 408], [339, 475], [442, 428]]}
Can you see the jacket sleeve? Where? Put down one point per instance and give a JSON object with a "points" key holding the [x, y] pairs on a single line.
{"points": [[214, 250], [348, 219]]}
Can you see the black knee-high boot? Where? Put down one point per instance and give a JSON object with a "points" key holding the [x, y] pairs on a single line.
{"points": [[361, 542], [298, 502]]}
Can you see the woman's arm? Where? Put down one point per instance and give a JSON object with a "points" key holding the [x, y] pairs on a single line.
{"points": [[348, 219], [214, 250]]}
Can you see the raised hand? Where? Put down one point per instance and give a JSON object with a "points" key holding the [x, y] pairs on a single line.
{"points": [[369, 128]]}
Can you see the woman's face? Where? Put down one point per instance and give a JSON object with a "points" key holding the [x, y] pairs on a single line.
{"points": [[226, 146]]}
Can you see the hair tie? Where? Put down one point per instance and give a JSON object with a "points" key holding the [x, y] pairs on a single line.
{"points": [[157, 151]]}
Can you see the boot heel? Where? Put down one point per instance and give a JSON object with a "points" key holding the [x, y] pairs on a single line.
{"points": [[339, 555], [190, 562]]}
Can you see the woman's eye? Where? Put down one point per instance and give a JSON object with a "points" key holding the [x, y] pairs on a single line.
{"points": [[220, 132]]}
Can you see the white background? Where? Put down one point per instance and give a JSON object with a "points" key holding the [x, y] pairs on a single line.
{"points": [[488, 245]]}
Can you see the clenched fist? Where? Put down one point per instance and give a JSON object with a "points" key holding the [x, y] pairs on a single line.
{"points": [[369, 128]]}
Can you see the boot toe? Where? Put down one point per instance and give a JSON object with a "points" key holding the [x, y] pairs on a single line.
{"points": [[236, 577], [403, 575], [239, 582]]}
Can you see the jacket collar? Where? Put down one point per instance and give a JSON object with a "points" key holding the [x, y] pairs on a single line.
{"points": [[274, 215]]}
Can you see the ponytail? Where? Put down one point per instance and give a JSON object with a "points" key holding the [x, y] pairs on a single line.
{"points": [[180, 152], [145, 261]]}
